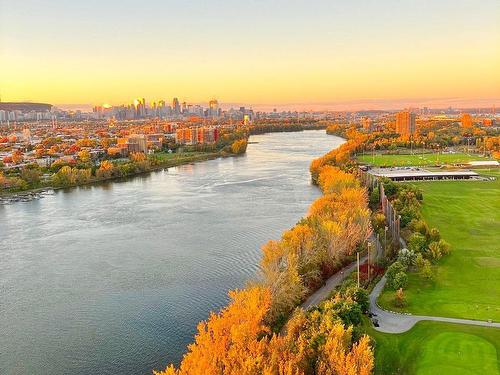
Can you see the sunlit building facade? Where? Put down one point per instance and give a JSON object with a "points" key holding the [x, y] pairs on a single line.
{"points": [[405, 123]]}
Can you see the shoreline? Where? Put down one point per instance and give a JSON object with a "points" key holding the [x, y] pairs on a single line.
{"points": [[16, 196], [30, 194]]}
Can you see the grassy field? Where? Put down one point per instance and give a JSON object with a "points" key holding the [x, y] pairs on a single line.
{"points": [[165, 156], [417, 159], [467, 282], [432, 348]]}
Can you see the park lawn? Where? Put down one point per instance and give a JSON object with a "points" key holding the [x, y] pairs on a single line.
{"points": [[466, 282], [164, 156], [417, 159], [432, 348]]}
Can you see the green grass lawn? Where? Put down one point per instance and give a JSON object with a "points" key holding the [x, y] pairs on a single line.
{"points": [[165, 156], [467, 282], [417, 159], [432, 348]]}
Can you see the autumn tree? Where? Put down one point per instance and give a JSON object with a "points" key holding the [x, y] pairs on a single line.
{"points": [[237, 342], [232, 341], [137, 156], [399, 298], [333, 180], [239, 146], [105, 170], [84, 156], [17, 157]]}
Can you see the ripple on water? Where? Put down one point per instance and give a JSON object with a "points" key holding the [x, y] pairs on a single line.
{"points": [[114, 278]]}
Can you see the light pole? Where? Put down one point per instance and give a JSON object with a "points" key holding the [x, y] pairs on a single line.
{"points": [[357, 254], [385, 240], [369, 248]]}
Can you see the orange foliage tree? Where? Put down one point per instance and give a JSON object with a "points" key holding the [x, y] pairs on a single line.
{"points": [[238, 342], [239, 339]]}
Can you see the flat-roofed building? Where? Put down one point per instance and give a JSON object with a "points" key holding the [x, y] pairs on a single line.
{"points": [[416, 174]]}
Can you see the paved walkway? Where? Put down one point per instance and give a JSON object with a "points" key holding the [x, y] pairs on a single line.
{"points": [[323, 292], [390, 322], [335, 280]]}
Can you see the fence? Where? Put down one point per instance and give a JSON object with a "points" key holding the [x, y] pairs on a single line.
{"points": [[391, 216]]}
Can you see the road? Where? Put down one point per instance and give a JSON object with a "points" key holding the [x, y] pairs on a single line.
{"points": [[391, 322]]}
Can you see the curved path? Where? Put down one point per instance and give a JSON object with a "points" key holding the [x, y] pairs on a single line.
{"points": [[391, 322], [335, 280], [330, 284]]}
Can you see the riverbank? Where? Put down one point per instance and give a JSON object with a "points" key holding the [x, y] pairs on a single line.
{"points": [[172, 160], [141, 261], [36, 193]]}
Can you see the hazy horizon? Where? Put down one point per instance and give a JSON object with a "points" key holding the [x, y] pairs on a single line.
{"points": [[354, 105]]}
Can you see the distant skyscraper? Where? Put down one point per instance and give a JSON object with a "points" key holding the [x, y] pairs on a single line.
{"points": [[176, 108], [466, 120], [213, 108], [405, 123]]}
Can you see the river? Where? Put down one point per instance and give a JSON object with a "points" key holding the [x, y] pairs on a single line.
{"points": [[113, 278]]}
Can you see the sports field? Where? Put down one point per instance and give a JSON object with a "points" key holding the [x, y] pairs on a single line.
{"points": [[417, 159], [432, 348], [466, 282]]}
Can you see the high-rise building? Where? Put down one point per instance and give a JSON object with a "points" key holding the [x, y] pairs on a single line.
{"points": [[213, 108], [176, 108], [405, 123], [466, 120]]}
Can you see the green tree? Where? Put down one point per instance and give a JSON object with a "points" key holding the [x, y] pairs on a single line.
{"points": [[394, 273], [400, 281], [31, 174]]}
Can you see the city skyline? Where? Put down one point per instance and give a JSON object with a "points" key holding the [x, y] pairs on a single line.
{"points": [[301, 56]]}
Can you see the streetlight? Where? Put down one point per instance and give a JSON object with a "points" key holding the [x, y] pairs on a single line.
{"points": [[385, 240], [357, 254], [369, 248]]}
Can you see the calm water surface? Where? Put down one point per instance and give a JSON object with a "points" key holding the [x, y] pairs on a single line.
{"points": [[112, 279]]}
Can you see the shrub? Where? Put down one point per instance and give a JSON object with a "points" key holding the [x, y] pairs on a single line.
{"points": [[400, 281], [419, 226], [375, 196], [390, 187], [435, 251], [408, 213], [378, 221], [396, 276], [417, 242], [426, 270], [419, 261], [444, 247], [406, 257], [434, 234], [399, 298]]}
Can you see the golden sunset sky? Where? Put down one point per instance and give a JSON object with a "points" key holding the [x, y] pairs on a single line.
{"points": [[253, 52]]}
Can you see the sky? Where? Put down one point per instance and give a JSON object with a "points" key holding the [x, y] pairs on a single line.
{"points": [[285, 53]]}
